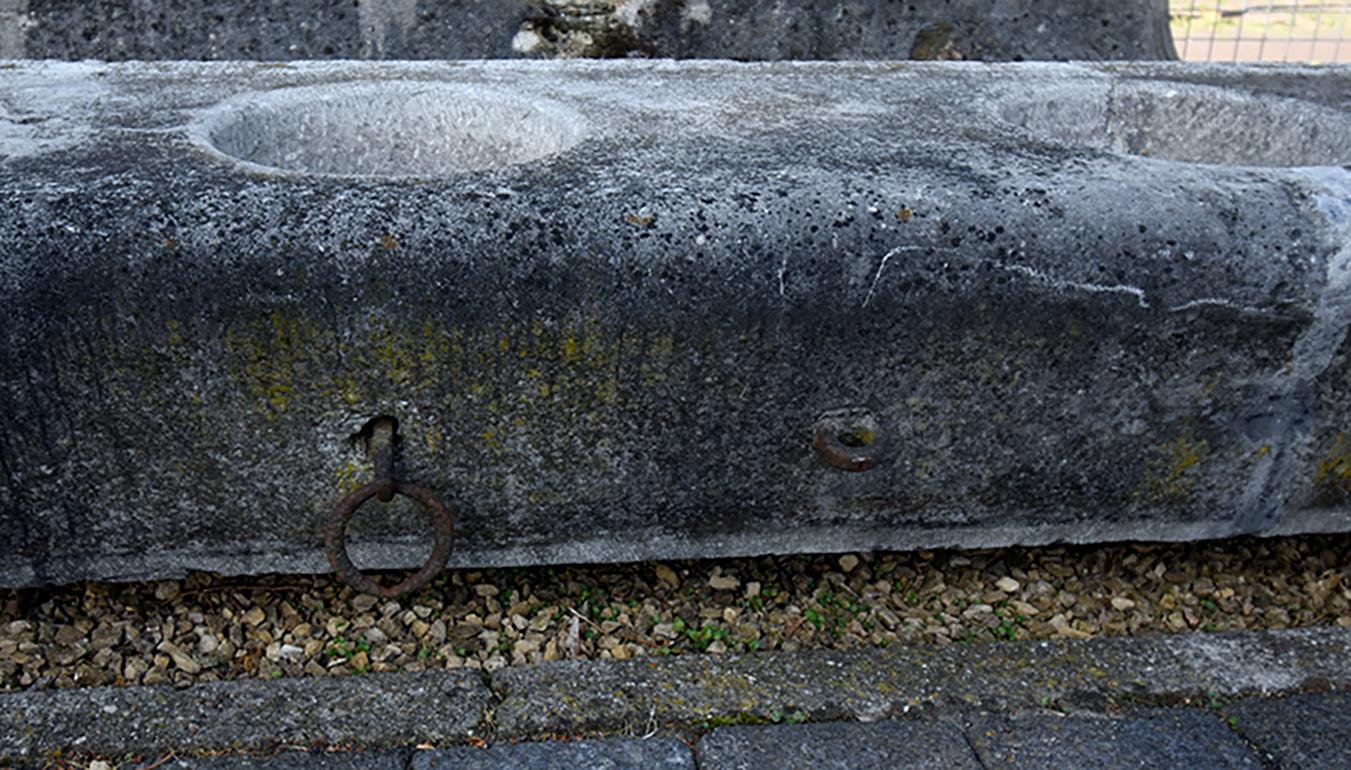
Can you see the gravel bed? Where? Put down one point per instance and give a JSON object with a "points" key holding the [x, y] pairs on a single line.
{"points": [[206, 627]]}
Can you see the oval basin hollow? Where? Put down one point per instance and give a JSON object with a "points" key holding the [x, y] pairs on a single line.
{"points": [[1187, 123], [388, 129]]}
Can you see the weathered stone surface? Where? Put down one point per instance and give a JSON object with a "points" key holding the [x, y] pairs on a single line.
{"points": [[613, 754], [293, 760], [658, 697], [1148, 738], [993, 30], [386, 711], [268, 30], [611, 302], [1303, 730], [877, 746], [853, 29], [911, 681]]}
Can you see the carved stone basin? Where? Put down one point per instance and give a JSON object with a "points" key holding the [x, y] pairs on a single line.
{"points": [[627, 310], [399, 128], [1187, 122]]}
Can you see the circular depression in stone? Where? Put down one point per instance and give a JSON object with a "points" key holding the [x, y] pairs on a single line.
{"points": [[388, 129], [1187, 123]]}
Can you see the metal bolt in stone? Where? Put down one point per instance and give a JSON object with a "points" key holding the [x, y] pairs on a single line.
{"points": [[847, 439]]}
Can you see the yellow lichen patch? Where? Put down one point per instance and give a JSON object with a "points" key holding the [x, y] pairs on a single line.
{"points": [[1334, 470], [432, 438], [274, 353], [351, 475], [571, 348], [348, 389], [436, 344], [860, 436], [392, 351], [1171, 479], [490, 438], [513, 377], [607, 391]]}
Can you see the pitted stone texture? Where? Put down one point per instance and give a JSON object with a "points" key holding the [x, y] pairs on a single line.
{"points": [[377, 711], [1148, 738], [1302, 730], [319, 759], [660, 697], [622, 347], [838, 746], [267, 30], [913, 681], [994, 30], [612, 754]]}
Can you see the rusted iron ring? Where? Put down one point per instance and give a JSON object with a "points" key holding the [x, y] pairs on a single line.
{"points": [[335, 537]]}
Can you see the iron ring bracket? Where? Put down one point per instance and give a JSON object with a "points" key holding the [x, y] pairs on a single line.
{"points": [[381, 447], [335, 539]]}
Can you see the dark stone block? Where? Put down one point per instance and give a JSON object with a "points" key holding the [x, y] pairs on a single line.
{"points": [[319, 759], [1152, 738], [611, 754], [874, 746], [378, 712], [1306, 730]]}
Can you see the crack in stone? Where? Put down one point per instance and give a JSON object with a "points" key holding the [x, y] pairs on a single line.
{"points": [[883, 266]]}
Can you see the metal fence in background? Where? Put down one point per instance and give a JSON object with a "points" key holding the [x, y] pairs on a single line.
{"points": [[1311, 31]]}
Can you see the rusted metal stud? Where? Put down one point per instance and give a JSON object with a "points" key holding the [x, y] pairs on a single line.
{"points": [[847, 439], [380, 446]]}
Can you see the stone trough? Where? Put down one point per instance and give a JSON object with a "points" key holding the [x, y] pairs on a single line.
{"points": [[629, 310]]}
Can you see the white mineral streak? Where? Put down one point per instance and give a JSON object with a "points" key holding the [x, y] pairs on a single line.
{"points": [[1095, 288]]}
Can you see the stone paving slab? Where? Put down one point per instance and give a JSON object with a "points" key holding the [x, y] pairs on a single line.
{"points": [[879, 746], [1149, 738], [685, 695], [614, 754], [1304, 730], [385, 710], [579, 696], [294, 760]]}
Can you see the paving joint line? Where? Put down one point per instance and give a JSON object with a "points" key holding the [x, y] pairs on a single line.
{"points": [[971, 744]]}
